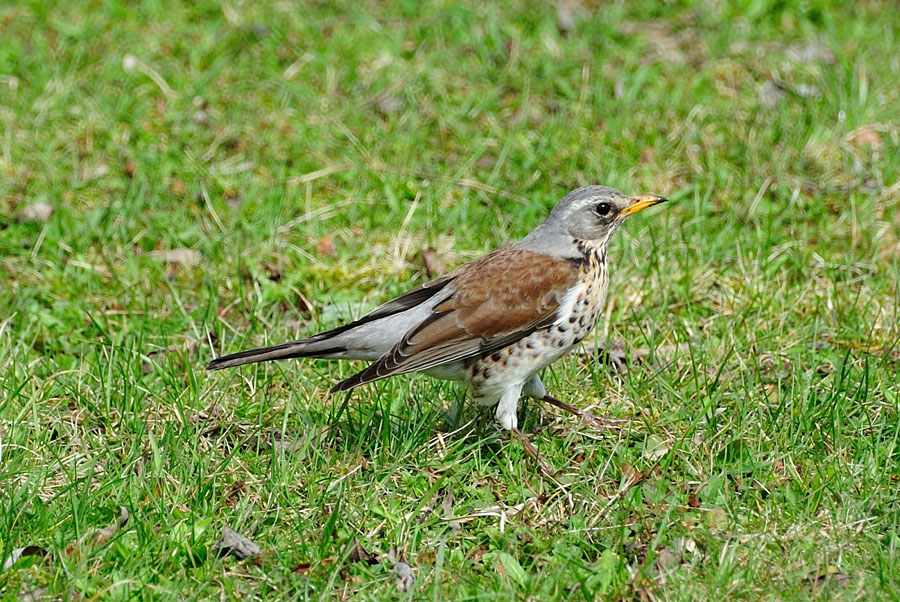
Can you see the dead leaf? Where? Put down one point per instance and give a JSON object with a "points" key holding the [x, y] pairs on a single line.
{"points": [[807, 91], [235, 492], [359, 554], [214, 413], [824, 369], [655, 447], [302, 568], [770, 94], [447, 507], [447, 502], [186, 257], [865, 136], [176, 186], [666, 559], [286, 444], [236, 144], [38, 212], [630, 475], [434, 266], [666, 353], [20, 553], [611, 353], [32, 596], [485, 162], [259, 30], [684, 547], [717, 519], [233, 198], [831, 576], [665, 44], [478, 555], [273, 271], [405, 577], [94, 172], [326, 247], [694, 499], [388, 104], [565, 16], [103, 535], [188, 346], [811, 52], [235, 544]]}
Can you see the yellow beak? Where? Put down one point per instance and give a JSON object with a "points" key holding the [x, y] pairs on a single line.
{"points": [[639, 203]]}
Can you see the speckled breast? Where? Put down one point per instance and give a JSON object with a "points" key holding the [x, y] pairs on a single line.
{"points": [[490, 374], [589, 303]]}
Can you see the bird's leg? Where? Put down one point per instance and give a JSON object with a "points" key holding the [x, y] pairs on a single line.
{"points": [[534, 388], [506, 417], [532, 451]]}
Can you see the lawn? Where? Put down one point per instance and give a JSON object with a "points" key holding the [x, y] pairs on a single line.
{"points": [[184, 180]]}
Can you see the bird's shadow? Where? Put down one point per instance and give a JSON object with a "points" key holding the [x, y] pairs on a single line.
{"points": [[399, 421]]}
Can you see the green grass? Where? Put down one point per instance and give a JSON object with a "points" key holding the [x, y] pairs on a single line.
{"points": [[759, 309]]}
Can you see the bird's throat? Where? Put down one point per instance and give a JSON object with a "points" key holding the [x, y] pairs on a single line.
{"points": [[591, 256]]}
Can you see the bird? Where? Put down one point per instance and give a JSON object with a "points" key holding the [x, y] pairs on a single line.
{"points": [[494, 323]]}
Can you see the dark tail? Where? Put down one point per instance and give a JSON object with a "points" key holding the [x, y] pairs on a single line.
{"points": [[307, 348]]}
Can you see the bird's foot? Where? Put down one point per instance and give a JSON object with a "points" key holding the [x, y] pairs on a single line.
{"points": [[600, 422], [532, 451]]}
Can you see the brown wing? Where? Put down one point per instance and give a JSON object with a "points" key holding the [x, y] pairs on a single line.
{"points": [[494, 301]]}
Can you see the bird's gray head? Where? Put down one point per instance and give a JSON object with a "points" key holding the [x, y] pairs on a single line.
{"points": [[590, 215]]}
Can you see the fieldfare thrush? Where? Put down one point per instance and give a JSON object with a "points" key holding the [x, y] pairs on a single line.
{"points": [[493, 323]]}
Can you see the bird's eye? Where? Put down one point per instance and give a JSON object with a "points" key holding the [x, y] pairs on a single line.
{"points": [[603, 209]]}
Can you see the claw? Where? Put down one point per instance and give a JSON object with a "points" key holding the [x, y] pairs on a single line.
{"points": [[532, 451], [587, 418]]}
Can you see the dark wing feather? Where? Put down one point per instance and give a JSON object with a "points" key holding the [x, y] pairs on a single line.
{"points": [[320, 344], [493, 302]]}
